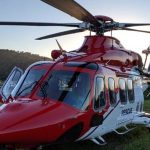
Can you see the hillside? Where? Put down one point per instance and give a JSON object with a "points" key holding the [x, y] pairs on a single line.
{"points": [[10, 58]]}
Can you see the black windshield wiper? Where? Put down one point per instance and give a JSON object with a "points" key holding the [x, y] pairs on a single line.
{"points": [[35, 82], [44, 87]]}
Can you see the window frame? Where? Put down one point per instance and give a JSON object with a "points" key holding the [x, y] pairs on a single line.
{"points": [[112, 104], [100, 107], [126, 96], [130, 101]]}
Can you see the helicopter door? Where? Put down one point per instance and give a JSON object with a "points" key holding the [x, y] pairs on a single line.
{"points": [[10, 83]]}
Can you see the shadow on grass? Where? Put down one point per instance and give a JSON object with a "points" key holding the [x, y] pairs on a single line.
{"points": [[139, 139]]}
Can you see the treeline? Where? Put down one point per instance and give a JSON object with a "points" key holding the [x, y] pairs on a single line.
{"points": [[9, 59]]}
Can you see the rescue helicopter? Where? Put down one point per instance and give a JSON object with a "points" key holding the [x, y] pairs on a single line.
{"points": [[80, 95]]}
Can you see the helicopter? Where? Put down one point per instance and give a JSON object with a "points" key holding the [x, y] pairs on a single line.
{"points": [[80, 95]]}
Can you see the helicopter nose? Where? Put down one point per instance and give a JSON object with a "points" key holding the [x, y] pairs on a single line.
{"points": [[33, 122]]}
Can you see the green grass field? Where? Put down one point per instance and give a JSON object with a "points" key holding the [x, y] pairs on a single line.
{"points": [[138, 139]]}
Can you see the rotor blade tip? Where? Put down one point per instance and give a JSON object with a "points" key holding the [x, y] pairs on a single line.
{"points": [[38, 39]]}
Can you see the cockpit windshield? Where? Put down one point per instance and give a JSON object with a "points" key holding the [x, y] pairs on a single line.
{"points": [[69, 87], [30, 81]]}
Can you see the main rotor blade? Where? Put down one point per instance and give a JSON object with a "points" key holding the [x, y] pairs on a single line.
{"points": [[133, 24], [38, 24], [61, 34], [74, 9], [129, 29]]}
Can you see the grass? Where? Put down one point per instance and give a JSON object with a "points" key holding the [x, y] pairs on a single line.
{"points": [[147, 106], [138, 139]]}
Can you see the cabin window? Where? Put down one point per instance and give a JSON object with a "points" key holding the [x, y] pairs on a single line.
{"points": [[99, 93], [122, 91], [130, 90], [112, 93]]}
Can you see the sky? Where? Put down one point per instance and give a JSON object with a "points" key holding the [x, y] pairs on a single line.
{"points": [[23, 38]]}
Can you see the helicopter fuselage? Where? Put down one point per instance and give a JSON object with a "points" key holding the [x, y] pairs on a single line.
{"points": [[83, 95]]}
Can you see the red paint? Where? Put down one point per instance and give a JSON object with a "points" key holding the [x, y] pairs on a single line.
{"points": [[55, 54], [108, 50], [1, 99]]}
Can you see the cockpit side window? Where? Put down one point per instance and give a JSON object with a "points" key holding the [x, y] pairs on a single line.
{"points": [[122, 91], [99, 93]]}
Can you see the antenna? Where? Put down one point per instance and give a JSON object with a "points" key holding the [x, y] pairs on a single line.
{"points": [[112, 39], [61, 49]]}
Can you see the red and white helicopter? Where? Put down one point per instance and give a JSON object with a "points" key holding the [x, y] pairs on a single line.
{"points": [[82, 94]]}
